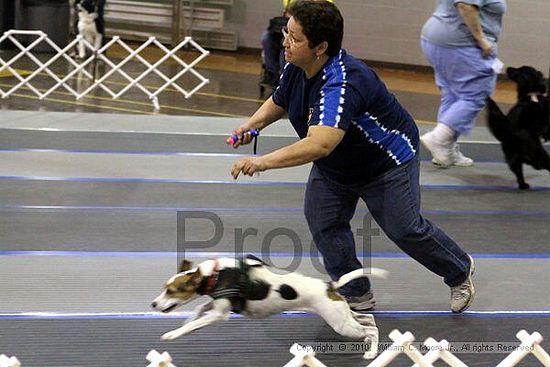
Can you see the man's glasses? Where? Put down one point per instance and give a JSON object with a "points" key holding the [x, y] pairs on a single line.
{"points": [[287, 36]]}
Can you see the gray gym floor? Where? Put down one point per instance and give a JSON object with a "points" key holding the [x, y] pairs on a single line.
{"points": [[89, 232]]}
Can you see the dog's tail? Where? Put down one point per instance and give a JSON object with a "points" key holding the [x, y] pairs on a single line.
{"points": [[498, 123], [360, 273]]}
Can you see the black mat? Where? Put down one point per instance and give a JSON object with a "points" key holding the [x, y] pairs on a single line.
{"points": [[213, 195], [241, 342], [278, 230], [90, 141]]}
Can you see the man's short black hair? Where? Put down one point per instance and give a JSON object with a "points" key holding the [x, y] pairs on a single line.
{"points": [[321, 21]]}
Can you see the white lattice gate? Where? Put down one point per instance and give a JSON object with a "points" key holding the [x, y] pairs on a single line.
{"points": [[114, 66]]}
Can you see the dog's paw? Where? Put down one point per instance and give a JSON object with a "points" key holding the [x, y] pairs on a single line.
{"points": [[373, 349], [372, 340], [365, 319], [370, 354], [171, 335]]}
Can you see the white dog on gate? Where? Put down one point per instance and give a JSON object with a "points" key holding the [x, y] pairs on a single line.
{"points": [[248, 286], [87, 28]]}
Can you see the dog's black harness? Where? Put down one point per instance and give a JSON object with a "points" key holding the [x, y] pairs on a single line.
{"points": [[235, 285]]}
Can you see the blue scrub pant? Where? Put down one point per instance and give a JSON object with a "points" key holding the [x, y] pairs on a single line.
{"points": [[465, 79]]}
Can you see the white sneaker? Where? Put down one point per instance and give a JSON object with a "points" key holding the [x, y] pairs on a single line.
{"points": [[442, 153], [460, 159], [365, 302], [463, 295]]}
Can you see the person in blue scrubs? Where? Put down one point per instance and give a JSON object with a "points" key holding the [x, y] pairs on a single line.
{"points": [[460, 42]]}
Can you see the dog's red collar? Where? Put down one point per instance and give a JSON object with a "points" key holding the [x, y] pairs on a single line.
{"points": [[213, 278]]}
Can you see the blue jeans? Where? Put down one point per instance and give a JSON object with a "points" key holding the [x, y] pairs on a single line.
{"points": [[393, 199], [465, 79]]}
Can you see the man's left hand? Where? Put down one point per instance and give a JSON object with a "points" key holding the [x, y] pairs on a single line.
{"points": [[248, 166]]}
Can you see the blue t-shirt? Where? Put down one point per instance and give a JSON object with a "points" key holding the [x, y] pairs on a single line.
{"points": [[447, 28], [347, 94]]}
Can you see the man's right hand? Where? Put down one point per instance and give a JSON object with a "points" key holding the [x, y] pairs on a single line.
{"points": [[242, 137], [486, 47]]}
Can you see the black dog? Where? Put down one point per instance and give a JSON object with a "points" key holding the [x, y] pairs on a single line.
{"points": [[527, 122]]}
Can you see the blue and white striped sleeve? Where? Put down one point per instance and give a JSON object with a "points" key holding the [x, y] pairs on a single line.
{"points": [[336, 104]]}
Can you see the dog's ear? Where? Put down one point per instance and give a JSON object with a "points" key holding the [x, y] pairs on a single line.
{"points": [[511, 72], [188, 282], [185, 265], [196, 278]]}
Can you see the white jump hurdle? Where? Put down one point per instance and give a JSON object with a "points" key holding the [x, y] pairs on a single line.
{"points": [[441, 350], [530, 343], [159, 360], [6, 361], [79, 67], [402, 343], [303, 356]]}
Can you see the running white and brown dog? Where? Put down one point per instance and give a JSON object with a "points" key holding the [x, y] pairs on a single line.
{"points": [[251, 287]]}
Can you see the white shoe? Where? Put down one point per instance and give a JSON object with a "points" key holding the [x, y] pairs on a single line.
{"points": [[463, 295], [460, 159], [442, 153], [365, 302]]}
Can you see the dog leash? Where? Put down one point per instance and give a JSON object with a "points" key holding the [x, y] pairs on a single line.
{"points": [[255, 144], [253, 133]]}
